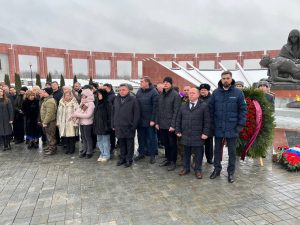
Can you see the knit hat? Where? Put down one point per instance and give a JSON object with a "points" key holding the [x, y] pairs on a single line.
{"points": [[49, 91], [263, 83], [204, 86], [239, 83], [24, 89], [168, 79]]}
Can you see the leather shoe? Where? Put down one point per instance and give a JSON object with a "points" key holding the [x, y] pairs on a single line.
{"points": [[184, 172], [120, 162], [210, 162], [128, 164], [214, 174], [172, 166], [152, 160], [139, 157], [230, 178], [82, 155], [198, 175], [88, 156], [165, 163]]}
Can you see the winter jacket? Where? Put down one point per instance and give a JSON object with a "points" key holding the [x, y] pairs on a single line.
{"points": [[125, 116], [31, 112], [111, 96], [85, 112], [67, 126], [57, 95], [148, 103], [228, 110], [6, 115], [48, 110], [102, 115], [192, 123], [168, 105]]}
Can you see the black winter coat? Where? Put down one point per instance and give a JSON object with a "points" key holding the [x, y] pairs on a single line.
{"points": [[126, 115], [168, 106], [228, 110], [192, 123], [148, 103], [57, 95], [102, 118], [31, 111], [6, 115]]}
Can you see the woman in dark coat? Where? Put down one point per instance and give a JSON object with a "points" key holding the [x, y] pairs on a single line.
{"points": [[19, 129], [6, 119], [31, 109], [102, 124]]}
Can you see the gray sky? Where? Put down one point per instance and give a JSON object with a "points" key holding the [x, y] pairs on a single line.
{"points": [[164, 26]]}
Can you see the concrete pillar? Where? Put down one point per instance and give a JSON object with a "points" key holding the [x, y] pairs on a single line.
{"points": [[45, 66], [217, 60], [40, 63], [11, 62], [91, 66], [17, 66], [134, 68], [113, 67]]}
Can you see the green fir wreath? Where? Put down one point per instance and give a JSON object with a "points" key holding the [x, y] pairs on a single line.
{"points": [[265, 137]]}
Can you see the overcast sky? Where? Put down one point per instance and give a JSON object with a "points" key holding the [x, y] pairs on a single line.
{"points": [[175, 26]]}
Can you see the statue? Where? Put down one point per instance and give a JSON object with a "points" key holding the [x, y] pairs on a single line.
{"points": [[291, 50], [281, 69], [285, 67]]}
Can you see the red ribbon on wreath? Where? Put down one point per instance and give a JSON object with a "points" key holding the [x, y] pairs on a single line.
{"points": [[258, 125]]}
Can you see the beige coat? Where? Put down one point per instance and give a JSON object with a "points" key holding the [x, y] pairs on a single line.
{"points": [[67, 127]]}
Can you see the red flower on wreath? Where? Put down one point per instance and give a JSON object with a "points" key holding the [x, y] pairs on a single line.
{"points": [[249, 127]]}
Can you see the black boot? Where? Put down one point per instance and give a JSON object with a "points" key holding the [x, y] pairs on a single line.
{"points": [[36, 144], [30, 144]]}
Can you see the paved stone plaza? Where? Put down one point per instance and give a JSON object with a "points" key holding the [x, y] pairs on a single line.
{"points": [[63, 189]]}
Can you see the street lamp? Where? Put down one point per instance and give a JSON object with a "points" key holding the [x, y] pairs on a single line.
{"points": [[30, 65]]}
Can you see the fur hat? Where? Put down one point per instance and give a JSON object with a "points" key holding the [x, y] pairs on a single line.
{"points": [[24, 89], [205, 86], [49, 91], [168, 79]]}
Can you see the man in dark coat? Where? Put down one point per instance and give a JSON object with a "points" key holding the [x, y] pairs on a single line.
{"points": [[168, 105], [111, 95], [126, 115], [147, 97], [228, 110], [209, 142], [193, 126]]}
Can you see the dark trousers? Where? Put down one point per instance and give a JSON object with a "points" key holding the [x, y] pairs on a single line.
{"points": [[70, 144], [57, 136], [170, 142], [112, 137], [6, 140], [209, 151], [19, 130], [147, 139], [87, 141], [198, 158], [231, 144], [126, 149]]}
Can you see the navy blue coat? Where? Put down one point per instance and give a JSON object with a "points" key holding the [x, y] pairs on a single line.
{"points": [[148, 102], [228, 110]]}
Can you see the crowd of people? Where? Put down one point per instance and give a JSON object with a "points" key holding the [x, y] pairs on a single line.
{"points": [[194, 121]]}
